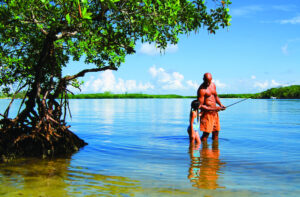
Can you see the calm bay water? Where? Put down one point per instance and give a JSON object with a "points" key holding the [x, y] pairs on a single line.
{"points": [[139, 147]]}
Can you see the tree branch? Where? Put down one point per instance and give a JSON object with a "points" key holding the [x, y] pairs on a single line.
{"points": [[38, 23], [63, 34], [83, 72]]}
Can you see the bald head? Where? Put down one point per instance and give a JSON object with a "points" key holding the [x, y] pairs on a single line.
{"points": [[207, 78]]}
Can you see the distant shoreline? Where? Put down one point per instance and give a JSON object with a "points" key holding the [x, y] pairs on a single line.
{"points": [[140, 96], [125, 96], [290, 92], [148, 96]]}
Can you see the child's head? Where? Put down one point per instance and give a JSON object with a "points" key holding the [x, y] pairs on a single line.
{"points": [[195, 105]]}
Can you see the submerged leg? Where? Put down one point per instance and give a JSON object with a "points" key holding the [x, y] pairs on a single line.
{"points": [[197, 138], [191, 135], [215, 135], [204, 136]]}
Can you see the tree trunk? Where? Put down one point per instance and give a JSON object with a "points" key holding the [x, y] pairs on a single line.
{"points": [[39, 130]]}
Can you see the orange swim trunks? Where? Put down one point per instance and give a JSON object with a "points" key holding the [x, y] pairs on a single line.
{"points": [[209, 121]]}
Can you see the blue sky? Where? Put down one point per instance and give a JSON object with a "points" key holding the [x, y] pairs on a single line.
{"points": [[260, 50]]}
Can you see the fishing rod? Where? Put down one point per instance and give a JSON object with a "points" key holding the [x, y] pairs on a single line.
{"points": [[236, 102]]}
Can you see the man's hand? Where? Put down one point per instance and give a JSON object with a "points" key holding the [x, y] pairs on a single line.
{"points": [[223, 107], [220, 108]]}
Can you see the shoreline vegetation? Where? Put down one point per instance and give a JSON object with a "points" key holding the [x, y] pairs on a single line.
{"points": [[39, 39], [289, 92]]}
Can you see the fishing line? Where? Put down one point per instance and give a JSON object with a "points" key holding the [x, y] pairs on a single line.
{"points": [[237, 102]]}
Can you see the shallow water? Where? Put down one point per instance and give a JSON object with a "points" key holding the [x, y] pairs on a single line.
{"points": [[139, 147]]}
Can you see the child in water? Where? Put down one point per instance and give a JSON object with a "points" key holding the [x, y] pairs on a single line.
{"points": [[193, 129]]}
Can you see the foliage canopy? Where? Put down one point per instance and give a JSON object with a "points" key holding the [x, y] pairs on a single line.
{"points": [[39, 37], [103, 32]]}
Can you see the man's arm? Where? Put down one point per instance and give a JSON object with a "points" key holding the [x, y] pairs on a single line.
{"points": [[219, 103], [200, 95], [218, 99]]}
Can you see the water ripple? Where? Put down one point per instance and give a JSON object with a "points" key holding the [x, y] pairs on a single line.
{"points": [[141, 148]]}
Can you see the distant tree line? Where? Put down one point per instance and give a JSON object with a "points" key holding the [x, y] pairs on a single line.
{"points": [[290, 92], [109, 95], [238, 95], [19, 95]]}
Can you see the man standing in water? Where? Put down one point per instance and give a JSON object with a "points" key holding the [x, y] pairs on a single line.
{"points": [[208, 98]]}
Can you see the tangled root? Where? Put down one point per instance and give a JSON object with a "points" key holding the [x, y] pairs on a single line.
{"points": [[28, 142]]}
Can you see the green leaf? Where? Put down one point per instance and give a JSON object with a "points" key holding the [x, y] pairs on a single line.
{"points": [[84, 12], [68, 18], [88, 16], [40, 26]]}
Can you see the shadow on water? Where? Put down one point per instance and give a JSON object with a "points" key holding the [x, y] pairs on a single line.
{"points": [[57, 177], [205, 166], [33, 177]]}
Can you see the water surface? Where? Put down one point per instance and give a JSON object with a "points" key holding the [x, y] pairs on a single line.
{"points": [[139, 147]]}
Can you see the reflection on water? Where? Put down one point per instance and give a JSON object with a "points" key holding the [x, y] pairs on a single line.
{"points": [[138, 147], [205, 166]]}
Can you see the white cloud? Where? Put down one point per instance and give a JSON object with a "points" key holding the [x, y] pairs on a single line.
{"points": [[293, 40], [163, 81], [253, 77], [192, 84], [274, 83], [172, 48], [150, 49], [219, 84], [261, 85], [108, 82], [293, 21], [284, 49], [167, 80], [266, 84], [175, 80], [153, 71], [246, 11], [289, 45], [285, 8]]}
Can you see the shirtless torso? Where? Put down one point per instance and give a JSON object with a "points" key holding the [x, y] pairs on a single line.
{"points": [[207, 95], [208, 98]]}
